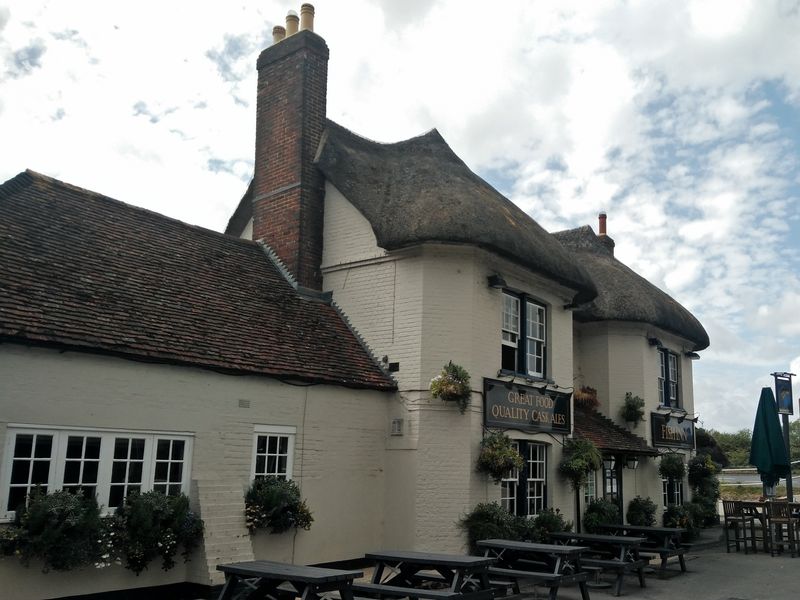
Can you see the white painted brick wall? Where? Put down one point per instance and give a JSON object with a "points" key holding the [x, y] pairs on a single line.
{"points": [[339, 453]]}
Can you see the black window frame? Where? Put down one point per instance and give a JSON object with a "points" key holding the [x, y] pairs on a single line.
{"points": [[521, 500], [521, 361]]}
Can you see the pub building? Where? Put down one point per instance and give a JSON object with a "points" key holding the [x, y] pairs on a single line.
{"points": [[349, 274]]}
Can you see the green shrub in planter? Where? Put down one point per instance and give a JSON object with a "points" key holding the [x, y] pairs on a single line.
{"points": [[546, 522], [705, 488], [498, 456], [600, 512], [59, 529], [678, 515], [152, 525], [275, 504], [579, 458], [641, 511], [490, 520]]}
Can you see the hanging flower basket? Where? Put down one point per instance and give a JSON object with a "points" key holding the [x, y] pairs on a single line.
{"points": [[672, 466], [498, 456], [579, 458], [633, 409], [586, 397], [452, 385]]}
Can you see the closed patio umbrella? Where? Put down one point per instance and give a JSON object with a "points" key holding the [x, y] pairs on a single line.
{"points": [[767, 449]]}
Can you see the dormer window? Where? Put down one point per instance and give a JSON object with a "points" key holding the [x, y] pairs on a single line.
{"points": [[523, 335], [668, 378]]}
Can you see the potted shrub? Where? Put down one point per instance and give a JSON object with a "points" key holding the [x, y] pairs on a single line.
{"points": [[672, 466], [633, 409], [489, 520], [275, 504], [452, 385], [579, 458], [600, 512], [498, 456], [641, 511]]}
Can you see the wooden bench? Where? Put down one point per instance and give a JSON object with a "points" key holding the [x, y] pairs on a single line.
{"points": [[505, 578], [380, 590], [665, 554], [619, 567]]}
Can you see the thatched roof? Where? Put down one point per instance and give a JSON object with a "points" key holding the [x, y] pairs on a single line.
{"points": [[418, 191], [623, 295]]}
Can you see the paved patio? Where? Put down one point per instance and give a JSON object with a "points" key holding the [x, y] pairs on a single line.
{"points": [[712, 574]]}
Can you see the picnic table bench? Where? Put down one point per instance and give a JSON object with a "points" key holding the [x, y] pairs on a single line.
{"points": [[663, 542], [262, 578], [408, 569], [549, 565], [615, 554], [379, 590]]}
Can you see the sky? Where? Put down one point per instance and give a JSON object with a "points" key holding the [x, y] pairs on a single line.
{"points": [[680, 119]]}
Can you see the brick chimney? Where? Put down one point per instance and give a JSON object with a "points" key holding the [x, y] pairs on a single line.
{"points": [[604, 237], [288, 190]]}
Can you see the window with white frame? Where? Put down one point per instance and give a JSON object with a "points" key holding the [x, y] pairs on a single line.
{"points": [[668, 378], [524, 492], [106, 464], [273, 451], [523, 336], [672, 492], [590, 489]]}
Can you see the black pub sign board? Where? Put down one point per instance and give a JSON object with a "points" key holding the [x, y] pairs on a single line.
{"points": [[512, 406], [668, 432]]}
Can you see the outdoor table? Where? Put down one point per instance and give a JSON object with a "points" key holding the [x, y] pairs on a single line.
{"points": [[461, 573], [758, 510], [280, 580], [518, 561], [622, 550], [662, 541]]}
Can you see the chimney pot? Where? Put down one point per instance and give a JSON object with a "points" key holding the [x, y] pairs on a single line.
{"points": [[278, 33], [307, 17], [602, 219], [292, 21]]}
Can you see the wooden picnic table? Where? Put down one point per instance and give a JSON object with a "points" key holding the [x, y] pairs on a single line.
{"points": [[262, 578], [614, 553], [664, 542], [405, 568], [550, 565]]}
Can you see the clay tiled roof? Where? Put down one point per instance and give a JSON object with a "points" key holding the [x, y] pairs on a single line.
{"points": [[84, 271], [607, 435]]}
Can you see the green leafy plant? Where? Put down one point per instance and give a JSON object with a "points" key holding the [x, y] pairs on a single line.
{"points": [[600, 512], [452, 384], [489, 520], [275, 504], [59, 529], [672, 466], [682, 515], [64, 530], [633, 408], [498, 456], [548, 520], [580, 457], [152, 525], [641, 511], [705, 489]]}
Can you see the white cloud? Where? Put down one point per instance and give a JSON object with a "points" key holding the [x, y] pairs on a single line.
{"points": [[677, 118]]}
